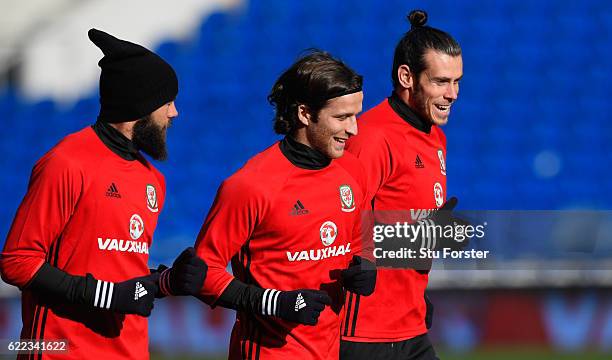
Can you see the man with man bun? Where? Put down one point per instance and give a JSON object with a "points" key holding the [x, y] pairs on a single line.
{"points": [[403, 151]]}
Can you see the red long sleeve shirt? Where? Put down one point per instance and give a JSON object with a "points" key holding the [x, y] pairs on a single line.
{"points": [[87, 210], [286, 228], [405, 169]]}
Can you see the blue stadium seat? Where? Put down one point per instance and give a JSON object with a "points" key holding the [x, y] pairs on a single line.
{"points": [[535, 80]]}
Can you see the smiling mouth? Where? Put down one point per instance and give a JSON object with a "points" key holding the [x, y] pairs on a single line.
{"points": [[340, 140], [443, 108]]}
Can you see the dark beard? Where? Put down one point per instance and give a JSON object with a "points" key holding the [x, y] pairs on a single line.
{"points": [[150, 138]]}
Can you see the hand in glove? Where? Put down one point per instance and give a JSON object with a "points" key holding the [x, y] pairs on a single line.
{"points": [[360, 276], [300, 306], [186, 276]]}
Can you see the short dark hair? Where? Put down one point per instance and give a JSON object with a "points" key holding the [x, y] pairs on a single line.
{"points": [[412, 46], [312, 80]]}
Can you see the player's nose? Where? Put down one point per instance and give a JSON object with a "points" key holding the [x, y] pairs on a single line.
{"points": [[452, 92], [172, 110], [351, 128]]}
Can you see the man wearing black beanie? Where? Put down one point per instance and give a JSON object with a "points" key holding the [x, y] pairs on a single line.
{"points": [[79, 245]]}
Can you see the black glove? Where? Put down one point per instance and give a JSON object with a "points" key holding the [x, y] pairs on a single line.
{"points": [[134, 296], [160, 269], [300, 306], [444, 217], [429, 313], [360, 276], [186, 276]]}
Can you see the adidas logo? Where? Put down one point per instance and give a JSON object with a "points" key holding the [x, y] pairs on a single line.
{"points": [[418, 163], [140, 291], [298, 209], [299, 302], [112, 191]]}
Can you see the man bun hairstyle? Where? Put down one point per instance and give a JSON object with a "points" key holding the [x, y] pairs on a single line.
{"points": [[315, 78], [411, 48], [417, 18]]}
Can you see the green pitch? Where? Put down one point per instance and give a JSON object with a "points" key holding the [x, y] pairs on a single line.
{"points": [[522, 354], [484, 354]]}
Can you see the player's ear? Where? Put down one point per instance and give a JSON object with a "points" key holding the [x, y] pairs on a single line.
{"points": [[304, 114], [405, 76]]}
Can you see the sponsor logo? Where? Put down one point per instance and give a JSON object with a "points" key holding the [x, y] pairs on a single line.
{"points": [[418, 163], [136, 226], [299, 302], [140, 291], [152, 198], [442, 162], [319, 254], [346, 198], [112, 191], [438, 194], [420, 214], [139, 247], [328, 232], [298, 209]]}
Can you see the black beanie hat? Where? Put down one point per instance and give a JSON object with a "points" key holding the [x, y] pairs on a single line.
{"points": [[134, 81]]}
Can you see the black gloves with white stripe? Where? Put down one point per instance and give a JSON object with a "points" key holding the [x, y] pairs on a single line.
{"points": [[186, 276], [442, 229], [300, 306], [360, 276], [134, 296], [444, 217]]}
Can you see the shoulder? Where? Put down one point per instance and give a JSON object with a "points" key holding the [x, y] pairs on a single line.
{"points": [[439, 133], [259, 176], [372, 128], [380, 111], [76, 149], [371, 139], [83, 140], [159, 176], [354, 167], [350, 162], [67, 155]]}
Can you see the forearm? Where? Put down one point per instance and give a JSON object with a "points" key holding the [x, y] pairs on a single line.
{"points": [[73, 289], [90, 292], [300, 306], [249, 298]]}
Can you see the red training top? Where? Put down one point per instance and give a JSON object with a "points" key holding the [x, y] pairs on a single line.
{"points": [[405, 170], [286, 228], [87, 210]]}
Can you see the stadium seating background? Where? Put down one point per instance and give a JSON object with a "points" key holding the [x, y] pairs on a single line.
{"points": [[531, 128]]}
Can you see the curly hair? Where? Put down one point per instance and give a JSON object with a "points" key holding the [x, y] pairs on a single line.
{"points": [[312, 80]]}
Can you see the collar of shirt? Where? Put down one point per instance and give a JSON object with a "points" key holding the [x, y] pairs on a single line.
{"points": [[302, 155], [115, 141], [405, 112]]}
